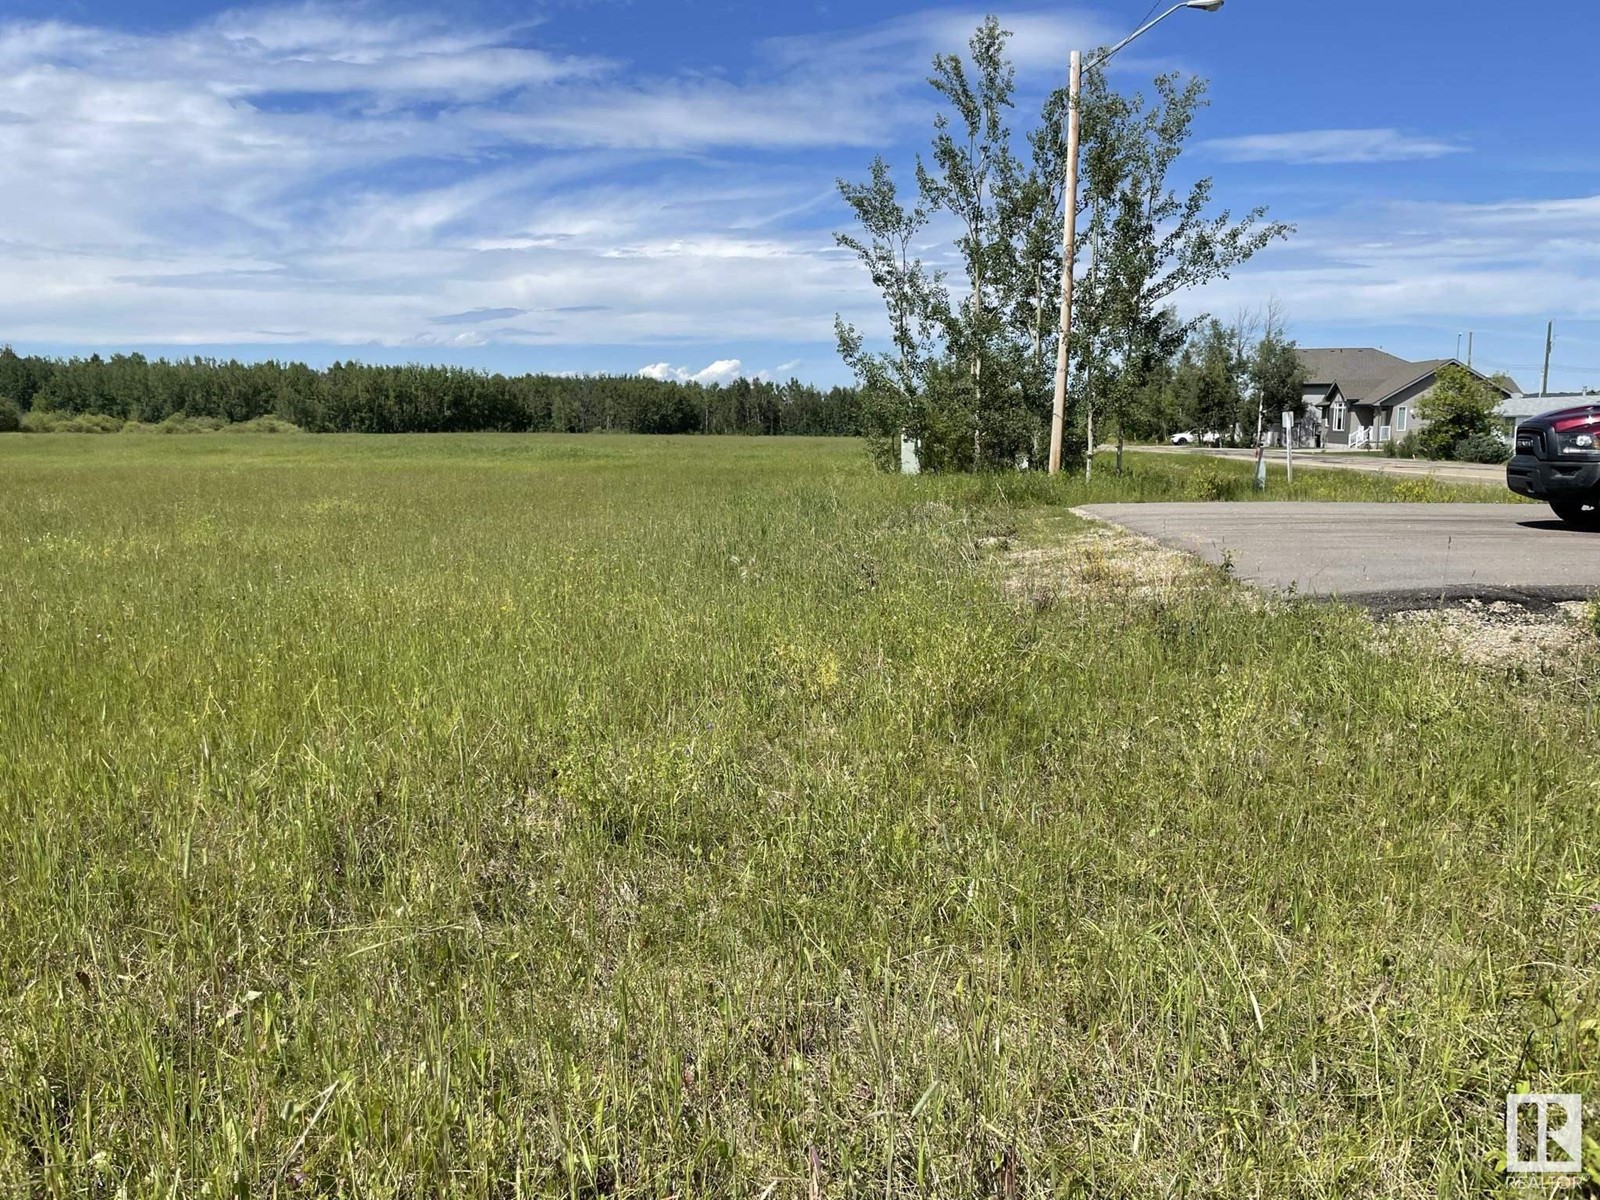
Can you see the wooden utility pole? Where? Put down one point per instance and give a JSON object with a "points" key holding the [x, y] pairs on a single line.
{"points": [[1069, 238], [1549, 345], [1069, 245]]}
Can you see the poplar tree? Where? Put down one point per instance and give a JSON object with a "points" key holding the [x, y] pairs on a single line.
{"points": [[969, 371]]}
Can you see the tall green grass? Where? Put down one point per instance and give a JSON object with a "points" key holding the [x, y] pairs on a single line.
{"points": [[581, 817]]}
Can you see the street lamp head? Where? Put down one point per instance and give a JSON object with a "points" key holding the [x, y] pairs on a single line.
{"points": [[1205, 5]]}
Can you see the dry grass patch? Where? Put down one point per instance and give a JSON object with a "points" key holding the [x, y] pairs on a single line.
{"points": [[1105, 561]]}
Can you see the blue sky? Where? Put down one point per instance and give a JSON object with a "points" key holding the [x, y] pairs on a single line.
{"points": [[603, 185]]}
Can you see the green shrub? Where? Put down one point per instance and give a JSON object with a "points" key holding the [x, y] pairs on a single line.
{"points": [[91, 423], [1209, 484], [265, 425], [35, 421], [1406, 447], [1482, 448], [182, 423], [1460, 407], [10, 416]]}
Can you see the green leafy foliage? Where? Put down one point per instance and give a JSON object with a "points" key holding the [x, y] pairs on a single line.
{"points": [[1460, 409], [1211, 484], [1147, 241], [10, 416], [1276, 375], [968, 372], [1487, 447], [1408, 446], [39, 420]]}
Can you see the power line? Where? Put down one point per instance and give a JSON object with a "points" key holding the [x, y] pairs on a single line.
{"points": [[1555, 365]]}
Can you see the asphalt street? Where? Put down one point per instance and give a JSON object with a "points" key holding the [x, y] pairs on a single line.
{"points": [[1379, 554]]}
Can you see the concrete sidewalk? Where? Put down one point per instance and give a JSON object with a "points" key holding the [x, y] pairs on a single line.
{"points": [[1381, 555]]}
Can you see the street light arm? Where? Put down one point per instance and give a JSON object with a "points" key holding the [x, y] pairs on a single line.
{"points": [[1135, 35], [1203, 5]]}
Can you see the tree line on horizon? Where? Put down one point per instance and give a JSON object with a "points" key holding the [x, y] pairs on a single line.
{"points": [[351, 397]]}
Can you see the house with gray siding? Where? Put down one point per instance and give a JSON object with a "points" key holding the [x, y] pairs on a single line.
{"points": [[1360, 398]]}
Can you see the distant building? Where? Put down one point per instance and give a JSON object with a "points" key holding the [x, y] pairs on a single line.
{"points": [[1519, 408], [1361, 398]]}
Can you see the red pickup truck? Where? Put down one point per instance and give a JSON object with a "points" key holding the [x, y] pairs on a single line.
{"points": [[1557, 459]]}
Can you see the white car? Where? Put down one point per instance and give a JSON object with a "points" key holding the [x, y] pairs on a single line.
{"points": [[1187, 438]]}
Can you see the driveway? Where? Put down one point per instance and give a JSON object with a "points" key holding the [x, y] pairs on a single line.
{"points": [[1381, 555]]}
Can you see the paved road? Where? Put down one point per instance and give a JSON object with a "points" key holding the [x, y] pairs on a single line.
{"points": [[1492, 474], [1383, 555]]}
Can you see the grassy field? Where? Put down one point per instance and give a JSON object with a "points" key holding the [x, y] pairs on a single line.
{"points": [[496, 816]]}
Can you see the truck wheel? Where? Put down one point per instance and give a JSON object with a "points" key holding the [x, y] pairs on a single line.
{"points": [[1580, 514]]}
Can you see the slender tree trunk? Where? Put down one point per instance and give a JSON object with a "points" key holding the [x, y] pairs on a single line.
{"points": [[1094, 290], [977, 384], [977, 412], [1261, 441], [1038, 317]]}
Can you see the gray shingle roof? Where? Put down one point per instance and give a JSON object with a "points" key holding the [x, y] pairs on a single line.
{"points": [[1357, 372], [1536, 406], [1364, 375]]}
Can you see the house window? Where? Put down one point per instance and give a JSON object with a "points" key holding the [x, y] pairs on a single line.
{"points": [[1338, 417], [1402, 418]]}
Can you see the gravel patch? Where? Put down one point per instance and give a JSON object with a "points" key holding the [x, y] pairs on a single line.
{"points": [[1548, 639]]}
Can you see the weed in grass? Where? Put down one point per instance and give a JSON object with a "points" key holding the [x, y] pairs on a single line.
{"points": [[1212, 484], [1418, 491]]}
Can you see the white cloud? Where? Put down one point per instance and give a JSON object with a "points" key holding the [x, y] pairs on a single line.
{"points": [[1406, 262], [724, 370], [458, 341], [178, 188], [1330, 146], [852, 89], [906, 45], [357, 175]]}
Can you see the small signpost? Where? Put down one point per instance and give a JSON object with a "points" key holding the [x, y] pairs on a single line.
{"points": [[1288, 443]]}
